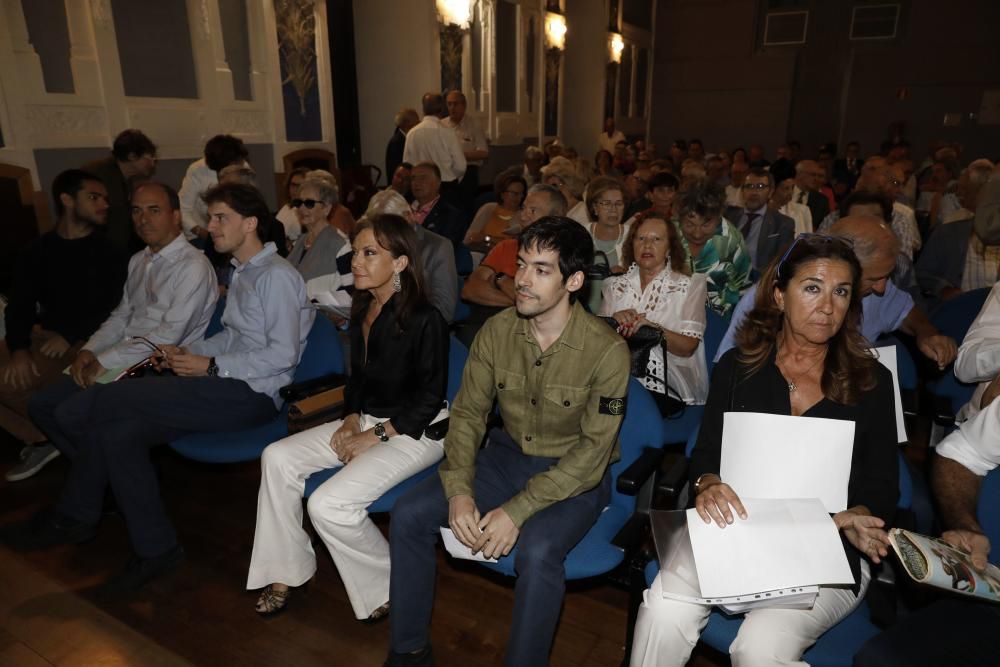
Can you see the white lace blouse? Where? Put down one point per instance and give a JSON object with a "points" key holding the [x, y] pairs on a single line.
{"points": [[676, 302]]}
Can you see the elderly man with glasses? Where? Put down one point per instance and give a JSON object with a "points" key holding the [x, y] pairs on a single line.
{"points": [[767, 232]]}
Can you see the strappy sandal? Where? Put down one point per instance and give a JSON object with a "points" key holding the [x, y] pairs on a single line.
{"points": [[272, 602], [379, 614]]}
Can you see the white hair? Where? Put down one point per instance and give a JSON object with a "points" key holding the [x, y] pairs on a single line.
{"points": [[387, 201]]}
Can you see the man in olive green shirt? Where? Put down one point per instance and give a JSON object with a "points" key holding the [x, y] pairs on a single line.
{"points": [[560, 377]]}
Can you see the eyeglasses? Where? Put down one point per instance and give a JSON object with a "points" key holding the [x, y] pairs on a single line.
{"points": [[756, 186], [308, 203], [814, 240], [606, 203]]}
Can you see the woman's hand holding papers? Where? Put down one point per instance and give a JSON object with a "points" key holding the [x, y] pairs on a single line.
{"points": [[864, 531], [714, 500]]}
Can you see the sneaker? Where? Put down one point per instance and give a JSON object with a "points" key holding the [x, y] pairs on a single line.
{"points": [[33, 459]]}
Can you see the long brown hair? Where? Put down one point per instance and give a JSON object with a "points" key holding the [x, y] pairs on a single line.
{"points": [[394, 234], [675, 251], [849, 367]]}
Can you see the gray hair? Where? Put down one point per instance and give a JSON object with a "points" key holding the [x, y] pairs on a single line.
{"points": [[557, 202], [387, 201], [324, 183], [566, 171]]}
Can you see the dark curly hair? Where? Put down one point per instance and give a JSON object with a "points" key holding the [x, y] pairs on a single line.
{"points": [[675, 249]]}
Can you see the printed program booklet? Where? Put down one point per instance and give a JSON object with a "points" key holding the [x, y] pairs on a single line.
{"points": [[932, 561]]}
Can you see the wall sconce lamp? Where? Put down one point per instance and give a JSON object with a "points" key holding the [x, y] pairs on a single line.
{"points": [[615, 47], [454, 12], [555, 31]]}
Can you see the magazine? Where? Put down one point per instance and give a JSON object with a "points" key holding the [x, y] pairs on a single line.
{"points": [[932, 561]]}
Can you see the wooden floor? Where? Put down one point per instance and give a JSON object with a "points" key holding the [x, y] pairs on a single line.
{"points": [[51, 614]]}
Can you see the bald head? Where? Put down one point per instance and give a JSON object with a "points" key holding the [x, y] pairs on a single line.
{"points": [[871, 237]]}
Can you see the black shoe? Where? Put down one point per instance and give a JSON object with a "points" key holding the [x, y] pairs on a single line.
{"points": [[421, 658], [140, 571], [46, 529]]}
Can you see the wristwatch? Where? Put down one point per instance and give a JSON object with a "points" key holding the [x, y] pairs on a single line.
{"points": [[500, 275], [380, 433], [212, 370]]}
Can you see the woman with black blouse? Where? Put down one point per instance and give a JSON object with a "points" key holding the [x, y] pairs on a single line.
{"points": [[399, 371], [799, 353]]}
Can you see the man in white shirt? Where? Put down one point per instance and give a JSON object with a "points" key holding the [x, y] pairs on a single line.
{"points": [[610, 137], [534, 159], [431, 141], [734, 191], [809, 177], [221, 151], [474, 144], [169, 298]]}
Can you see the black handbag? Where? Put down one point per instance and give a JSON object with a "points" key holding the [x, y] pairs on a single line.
{"points": [[640, 344]]}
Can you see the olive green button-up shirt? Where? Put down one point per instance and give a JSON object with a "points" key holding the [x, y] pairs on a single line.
{"points": [[566, 402]]}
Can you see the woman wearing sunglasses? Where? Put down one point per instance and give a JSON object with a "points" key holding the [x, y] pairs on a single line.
{"points": [[799, 353], [315, 253]]}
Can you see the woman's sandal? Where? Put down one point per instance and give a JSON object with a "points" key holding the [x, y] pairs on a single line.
{"points": [[272, 602], [379, 614]]}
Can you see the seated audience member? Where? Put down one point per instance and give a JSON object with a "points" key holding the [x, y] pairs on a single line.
{"points": [[604, 164], [401, 180], [970, 184], [952, 630], [767, 232], [886, 308], [692, 173], [637, 191], [287, 216], [245, 174], [227, 382], [696, 151], [406, 119], [168, 298], [979, 357], [661, 191], [809, 179], [132, 160], [498, 220], [715, 171], [610, 137], [398, 379], [659, 291], [606, 206], [956, 260], [490, 288], [430, 210], [987, 222], [437, 256], [221, 151], [562, 175], [534, 158], [678, 153], [65, 284], [788, 361], [430, 141], [781, 201], [713, 246], [734, 191], [542, 481], [850, 164], [755, 157], [323, 248]]}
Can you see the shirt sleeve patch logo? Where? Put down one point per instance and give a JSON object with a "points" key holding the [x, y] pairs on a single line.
{"points": [[612, 406]]}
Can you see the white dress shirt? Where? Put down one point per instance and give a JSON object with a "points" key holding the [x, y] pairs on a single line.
{"points": [[904, 223], [734, 196], [431, 141], [802, 216], [290, 221], [194, 212], [169, 298], [470, 135], [979, 355]]}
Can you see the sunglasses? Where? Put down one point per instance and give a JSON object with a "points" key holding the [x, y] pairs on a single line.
{"points": [[308, 203], [814, 240]]}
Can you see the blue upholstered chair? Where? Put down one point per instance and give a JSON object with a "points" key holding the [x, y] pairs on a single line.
{"points": [[597, 553], [323, 355], [680, 428], [989, 510], [457, 354]]}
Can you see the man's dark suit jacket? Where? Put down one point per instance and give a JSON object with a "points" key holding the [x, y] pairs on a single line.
{"points": [[394, 153], [819, 206], [448, 221], [776, 232]]}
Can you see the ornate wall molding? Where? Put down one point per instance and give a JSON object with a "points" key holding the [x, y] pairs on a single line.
{"points": [[243, 123], [45, 121]]}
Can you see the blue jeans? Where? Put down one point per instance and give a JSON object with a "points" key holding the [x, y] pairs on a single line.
{"points": [[502, 471]]}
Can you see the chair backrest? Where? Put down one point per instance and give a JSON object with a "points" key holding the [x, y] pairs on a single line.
{"points": [[715, 329], [641, 428], [311, 158], [989, 510], [457, 356], [323, 354], [463, 260], [954, 317]]}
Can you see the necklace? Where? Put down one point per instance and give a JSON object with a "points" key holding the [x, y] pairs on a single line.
{"points": [[791, 383]]}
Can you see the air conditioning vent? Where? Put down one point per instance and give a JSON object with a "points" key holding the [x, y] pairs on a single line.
{"points": [[874, 22], [782, 28]]}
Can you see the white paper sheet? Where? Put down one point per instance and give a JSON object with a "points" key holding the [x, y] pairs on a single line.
{"points": [[887, 357], [781, 544], [777, 456], [459, 550]]}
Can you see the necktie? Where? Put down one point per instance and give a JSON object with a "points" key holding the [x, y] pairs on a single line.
{"points": [[748, 225], [802, 196]]}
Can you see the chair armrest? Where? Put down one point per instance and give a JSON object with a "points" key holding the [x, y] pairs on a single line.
{"points": [[631, 479], [630, 535], [299, 390], [672, 482]]}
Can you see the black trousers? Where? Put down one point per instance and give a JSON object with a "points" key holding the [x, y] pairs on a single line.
{"points": [[108, 430]]}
